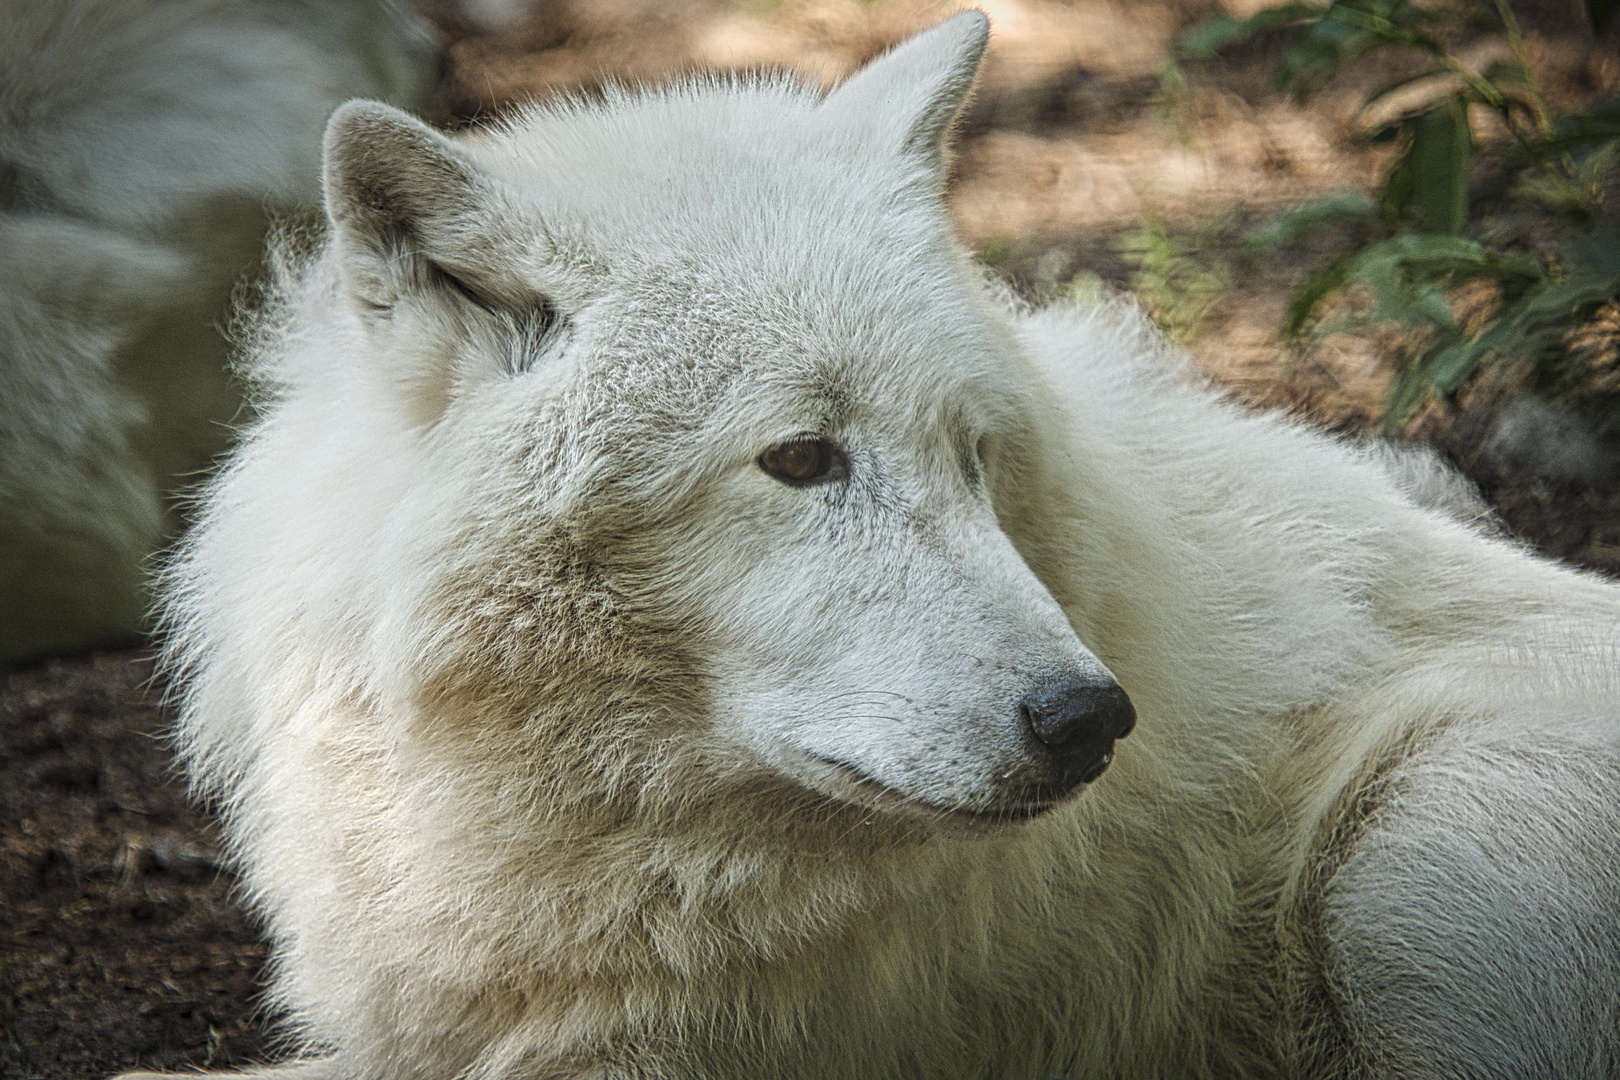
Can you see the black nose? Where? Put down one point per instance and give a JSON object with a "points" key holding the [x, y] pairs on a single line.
{"points": [[1077, 720]]}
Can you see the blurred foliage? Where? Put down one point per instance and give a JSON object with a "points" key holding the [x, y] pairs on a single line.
{"points": [[1487, 258], [1172, 283], [995, 252]]}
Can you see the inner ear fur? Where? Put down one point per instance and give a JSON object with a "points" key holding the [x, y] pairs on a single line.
{"points": [[910, 97], [405, 207]]}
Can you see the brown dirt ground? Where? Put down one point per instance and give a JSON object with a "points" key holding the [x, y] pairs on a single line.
{"points": [[121, 944]]}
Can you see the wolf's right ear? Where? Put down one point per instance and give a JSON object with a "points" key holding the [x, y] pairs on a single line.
{"points": [[910, 97], [404, 204]]}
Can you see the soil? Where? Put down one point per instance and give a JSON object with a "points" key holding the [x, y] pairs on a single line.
{"points": [[123, 943]]}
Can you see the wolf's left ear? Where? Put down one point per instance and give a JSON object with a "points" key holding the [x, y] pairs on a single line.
{"points": [[911, 96]]}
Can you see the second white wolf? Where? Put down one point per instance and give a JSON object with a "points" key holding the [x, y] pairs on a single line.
{"points": [[142, 145], [668, 614]]}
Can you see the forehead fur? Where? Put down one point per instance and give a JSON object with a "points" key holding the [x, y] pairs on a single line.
{"points": [[728, 234], [735, 167]]}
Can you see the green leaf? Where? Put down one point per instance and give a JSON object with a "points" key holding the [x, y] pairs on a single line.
{"points": [[1430, 254], [1596, 252], [1316, 57], [1508, 72], [1318, 285], [1176, 287], [1599, 124], [1592, 277], [1346, 30], [1290, 225], [1410, 389], [1428, 303], [1436, 250], [1404, 276], [1443, 366], [1400, 13], [1452, 364], [994, 252], [1441, 147], [1449, 370], [1332, 34], [1551, 191], [1212, 35], [1561, 299], [1400, 185]]}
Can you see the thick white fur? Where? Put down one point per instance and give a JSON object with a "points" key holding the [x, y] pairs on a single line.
{"points": [[510, 667], [141, 143]]}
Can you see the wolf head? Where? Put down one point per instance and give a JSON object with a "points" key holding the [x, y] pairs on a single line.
{"points": [[701, 423]]}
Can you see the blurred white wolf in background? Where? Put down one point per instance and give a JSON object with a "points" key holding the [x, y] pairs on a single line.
{"points": [[141, 144], [673, 620]]}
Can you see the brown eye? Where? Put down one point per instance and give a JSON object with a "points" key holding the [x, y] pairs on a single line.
{"points": [[805, 461]]}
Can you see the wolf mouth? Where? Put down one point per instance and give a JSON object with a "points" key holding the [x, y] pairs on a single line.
{"points": [[858, 787]]}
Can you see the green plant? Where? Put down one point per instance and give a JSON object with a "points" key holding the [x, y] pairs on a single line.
{"points": [[1523, 236], [1173, 284], [995, 252]]}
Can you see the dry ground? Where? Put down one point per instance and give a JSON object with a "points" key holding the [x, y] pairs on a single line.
{"points": [[120, 942]]}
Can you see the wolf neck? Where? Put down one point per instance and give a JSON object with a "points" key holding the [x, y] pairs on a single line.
{"points": [[628, 908], [1240, 574], [1221, 564]]}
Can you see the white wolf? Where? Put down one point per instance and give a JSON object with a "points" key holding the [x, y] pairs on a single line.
{"points": [[667, 615], [140, 144]]}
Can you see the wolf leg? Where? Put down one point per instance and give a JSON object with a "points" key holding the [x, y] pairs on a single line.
{"points": [[1474, 929]]}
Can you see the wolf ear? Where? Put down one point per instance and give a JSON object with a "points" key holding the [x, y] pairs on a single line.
{"points": [[406, 208], [912, 95]]}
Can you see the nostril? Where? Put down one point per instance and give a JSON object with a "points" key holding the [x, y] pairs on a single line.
{"points": [[1041, 720], [1032, 721]]}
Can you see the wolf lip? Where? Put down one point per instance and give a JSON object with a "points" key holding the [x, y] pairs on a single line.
{"points": [[1097, 768], [869, 791]]}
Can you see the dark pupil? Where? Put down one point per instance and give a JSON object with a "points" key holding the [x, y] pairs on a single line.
{"points": [[800, 461]]}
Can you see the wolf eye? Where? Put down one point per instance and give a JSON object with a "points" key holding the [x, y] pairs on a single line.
{"points": [[805, 461]]}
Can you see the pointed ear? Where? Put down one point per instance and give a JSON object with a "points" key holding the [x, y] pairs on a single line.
{"points": [[910, 97], [408, 211]]}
